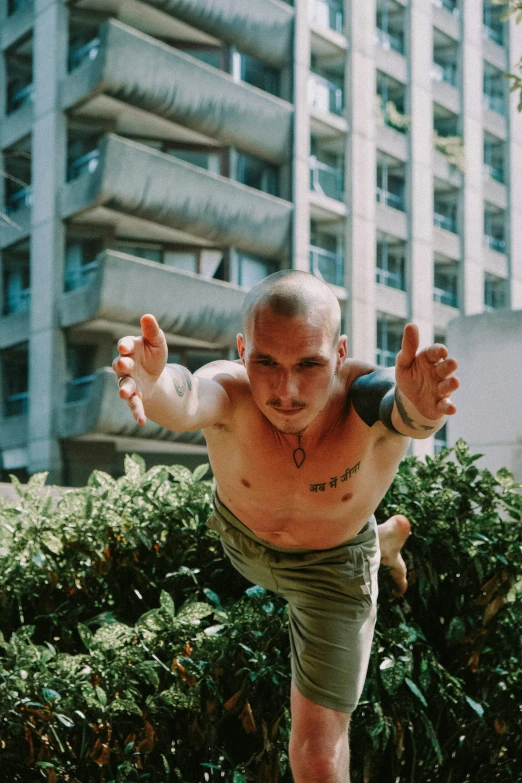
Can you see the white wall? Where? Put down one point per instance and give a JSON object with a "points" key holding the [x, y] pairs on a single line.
{"points": [[488, 348]]}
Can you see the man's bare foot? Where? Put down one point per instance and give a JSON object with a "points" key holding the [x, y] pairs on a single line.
{"points": [[392, 535]]}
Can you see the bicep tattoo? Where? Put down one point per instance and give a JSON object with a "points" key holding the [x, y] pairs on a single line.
{"points": [[373, 396], [182, 379]]}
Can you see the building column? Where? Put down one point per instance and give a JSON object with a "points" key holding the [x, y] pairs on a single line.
{"points": [[360, 180], [301, 151], [514, 166], [472, 280], [46, 347], [420, 181]]}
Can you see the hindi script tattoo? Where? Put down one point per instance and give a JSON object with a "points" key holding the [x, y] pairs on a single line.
{"points": [[321, 487]]}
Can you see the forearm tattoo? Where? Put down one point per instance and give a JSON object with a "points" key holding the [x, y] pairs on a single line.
{"points": [[182, 379], [406, 418]]}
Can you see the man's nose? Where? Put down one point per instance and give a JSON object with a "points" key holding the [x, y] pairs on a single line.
{"points": [[286, 386]]}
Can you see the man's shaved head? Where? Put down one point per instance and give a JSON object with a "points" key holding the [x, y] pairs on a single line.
{"points": [[292, 293]]}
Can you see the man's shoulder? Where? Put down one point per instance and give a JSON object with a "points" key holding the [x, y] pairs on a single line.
{"points": [[353, 369], [231, 375]]}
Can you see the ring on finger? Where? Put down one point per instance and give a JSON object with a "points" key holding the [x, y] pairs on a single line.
{"points": [[122, 379]]}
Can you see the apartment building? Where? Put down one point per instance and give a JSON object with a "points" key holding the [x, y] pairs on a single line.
{"points": [[165, 155]]}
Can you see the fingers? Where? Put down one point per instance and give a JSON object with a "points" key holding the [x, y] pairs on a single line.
{"points": [[126, 345], [151, 331], [445, 368], [410, 345], [137, 410], [436, 352], [446, 407], [448, 386]]}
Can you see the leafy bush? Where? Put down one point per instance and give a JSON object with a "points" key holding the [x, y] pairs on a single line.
{"points": [[132, 650]]}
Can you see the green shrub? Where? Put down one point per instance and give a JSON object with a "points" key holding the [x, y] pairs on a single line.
{"points": [[130, 649]]}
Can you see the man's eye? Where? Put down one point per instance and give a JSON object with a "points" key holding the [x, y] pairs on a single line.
{"points": [[266, 362], [309, 364]]}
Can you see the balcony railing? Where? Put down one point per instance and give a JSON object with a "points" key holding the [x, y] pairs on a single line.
{"points": [[18, 96], [390, 279], [385, 358], [445, 221], [22, 198], [16, 404], [450, 5], [14, 5], [495, 243], [445, 73], [494, 172], [495, 103], [79, 276], [18, 302], [78, 388], [446, 297], [389, 40], [389, 199], [327, 265], [493, 34], [89, 51], [84, 164], [327, 14], [324, 95], [326, 180]]}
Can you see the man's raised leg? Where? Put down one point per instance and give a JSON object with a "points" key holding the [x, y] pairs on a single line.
{"points": [[392, 536], [318, 748]]}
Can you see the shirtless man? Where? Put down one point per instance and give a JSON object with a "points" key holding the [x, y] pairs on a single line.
{"points": [[303, 443]]}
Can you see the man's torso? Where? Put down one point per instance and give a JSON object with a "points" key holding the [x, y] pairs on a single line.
{"points": [[324, 502]]}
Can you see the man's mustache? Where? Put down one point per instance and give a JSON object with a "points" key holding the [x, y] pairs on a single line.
{"points": [[276, 403]]}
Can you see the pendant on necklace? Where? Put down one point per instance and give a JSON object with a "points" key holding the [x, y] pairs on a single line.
{"points": [[299, 454]]}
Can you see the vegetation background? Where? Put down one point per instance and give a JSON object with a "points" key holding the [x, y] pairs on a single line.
{"points": [[130, 650]]}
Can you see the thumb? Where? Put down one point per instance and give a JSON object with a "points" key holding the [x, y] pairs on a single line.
{"points": [[151, 331], [410, 345]]}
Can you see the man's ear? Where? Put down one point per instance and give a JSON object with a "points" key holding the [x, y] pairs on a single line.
{"points": [[342, 350], [241, 347]]}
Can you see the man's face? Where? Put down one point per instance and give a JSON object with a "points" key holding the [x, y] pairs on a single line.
{"points": [[291, 365]]}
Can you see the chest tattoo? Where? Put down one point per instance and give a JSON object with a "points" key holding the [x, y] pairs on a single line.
{"points": [[322, 486]]}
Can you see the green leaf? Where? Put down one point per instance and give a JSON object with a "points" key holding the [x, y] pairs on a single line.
{"points": [[475, 706], [85, 635], [200, 471], [413, 688], [102, 696], [50, 695], [65, 720], [52, 542]]}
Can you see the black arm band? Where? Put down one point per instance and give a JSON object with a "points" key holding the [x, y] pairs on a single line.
{"points": [[373, 396]]}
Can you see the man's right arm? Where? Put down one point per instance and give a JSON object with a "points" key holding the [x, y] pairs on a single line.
{"points": [[184, 402], [167, 394]]}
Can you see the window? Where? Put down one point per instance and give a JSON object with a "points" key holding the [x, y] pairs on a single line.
{"points": [[445, 58], [441, 438], [252, 270], [445, 289], [205, 158], [16, 279], [392, 102], [445, 208], [15, 380], [390, 263], [494, 293], [80, 261], [494, 157], [258, 174], [494, 89], [390, 25], [80, 371], [389, 339], [493, 27], [248, 69], [19, 74], [327, 14], [494, 228], [18, 189], [390, 182], [326, 173], [326, 256]]}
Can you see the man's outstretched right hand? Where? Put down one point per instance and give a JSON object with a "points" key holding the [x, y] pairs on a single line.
{"points": [[140, 362]]}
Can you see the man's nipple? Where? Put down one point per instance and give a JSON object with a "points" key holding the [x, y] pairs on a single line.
{"points": [[245, 483], [348, 496]]}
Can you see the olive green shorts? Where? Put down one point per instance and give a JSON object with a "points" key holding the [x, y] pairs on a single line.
{"points": [[331, 594]]}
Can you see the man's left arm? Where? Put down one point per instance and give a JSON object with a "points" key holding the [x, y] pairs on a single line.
{"points": [[417, 402]]}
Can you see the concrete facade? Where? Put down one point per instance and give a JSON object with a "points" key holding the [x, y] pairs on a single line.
{"points": [[165, 156]]}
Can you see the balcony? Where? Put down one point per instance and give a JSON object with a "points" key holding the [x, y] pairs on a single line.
{"points": [[16, 404], [390, 279], [79, 389], [443, 296], [326, 180], [449, 5], [385, 358], [18, 301], [389, 41], [494, 172], [101, 412], [447, 222], [394, 200], [120, 288], [324, 95], [494, 103], [327, 14], [445, 73], [327, 265], [495, 243], [161, 92], [134, 181], [14, 5], [80, 276], [19, 200], [19, 96]]}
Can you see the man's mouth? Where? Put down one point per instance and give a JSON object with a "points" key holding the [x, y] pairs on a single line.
{"points": [[288, 412]]}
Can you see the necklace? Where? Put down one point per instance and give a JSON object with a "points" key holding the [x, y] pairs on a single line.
{"points": [[299, 454]]}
